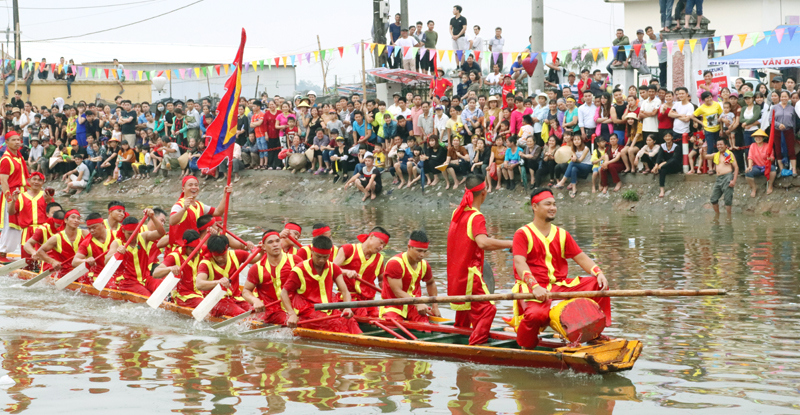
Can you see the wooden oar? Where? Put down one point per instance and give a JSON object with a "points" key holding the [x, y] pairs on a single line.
{"points": [[217, 293], [44, 275], [9, 268], [278, 326], [242, 316], [520, 296], [73, 275], [113, 265], [368, 284], [171, 281]]}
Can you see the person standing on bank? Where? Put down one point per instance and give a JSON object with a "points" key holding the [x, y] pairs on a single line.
{"points": [[458, 29]]}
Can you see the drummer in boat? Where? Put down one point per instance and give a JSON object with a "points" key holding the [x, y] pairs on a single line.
{"points": [[541, 250], [403, 278]]}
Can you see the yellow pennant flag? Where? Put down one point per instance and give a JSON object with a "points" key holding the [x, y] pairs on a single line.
{"points": [[226, 69], [372, 47], [441, 54], [742, 38], [450, 55], [692, 43], [681, 42], [253, 63], [140, 74], [607, 52], [524, 55], [595, 51], [168, 73], [316, 56], [284, 61], [514, 56], [381, 48], [196, 73]]}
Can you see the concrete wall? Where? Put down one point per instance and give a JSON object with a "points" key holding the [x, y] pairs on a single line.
{"points": [[44, 92]]}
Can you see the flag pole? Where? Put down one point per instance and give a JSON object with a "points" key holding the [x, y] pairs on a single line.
{"points": [[228, 194]]}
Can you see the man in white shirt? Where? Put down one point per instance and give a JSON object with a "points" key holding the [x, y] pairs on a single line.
{"points": [[394, 109], [586, 116], [540, 116], [35, 153], [25, 119], [403, 108], [476, 43], [496, 46], [406, 43], [648, 114], [682, 113]]}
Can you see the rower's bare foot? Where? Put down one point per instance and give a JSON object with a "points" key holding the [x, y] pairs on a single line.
{"points": [[753, 193]]}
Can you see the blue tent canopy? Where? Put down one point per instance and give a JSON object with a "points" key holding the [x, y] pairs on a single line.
{"points": [[785, 54]]}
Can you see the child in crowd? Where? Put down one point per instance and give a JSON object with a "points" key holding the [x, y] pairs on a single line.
{"points": [[340, 161], [511, 161], [698, 142], [497, 157], [368, 179]]}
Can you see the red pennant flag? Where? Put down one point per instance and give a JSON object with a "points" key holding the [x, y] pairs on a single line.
{"points": [[636, 48], [216, 67], [477, 55], [341, 51], [554, 55], [54, 68], [106, 71], [160, 73], [277, 61]]}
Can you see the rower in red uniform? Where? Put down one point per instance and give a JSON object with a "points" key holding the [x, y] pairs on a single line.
{"points": [[188, 209], [116, 214], [265, 279], [63, 245], [186, 293], [311, 282], [466, 241], [54, 224], [135, 277], [100, 240], [13, 176], [160, 216], [294, 230], [214, 269], [366, 261], [402, 279], [29, 209], [541, 250], [318, 229]]}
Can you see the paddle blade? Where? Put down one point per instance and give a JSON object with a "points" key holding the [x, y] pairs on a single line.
{"points": [[73, 275], [488, 276], [37, 278], [261, 330], [208, 303], [105, 275], [163, 290], [9, 268], [231, 320]]}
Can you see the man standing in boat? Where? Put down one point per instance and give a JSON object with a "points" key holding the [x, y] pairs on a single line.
{"points": [[466, 241], [267, 277], [318, 229], [311, 282], [28, 210], [64, 244], [403, 278], [135, 265], [541, 250], [219, 263], [13, 176], [188, 209], [100, 240], [365, 261]]}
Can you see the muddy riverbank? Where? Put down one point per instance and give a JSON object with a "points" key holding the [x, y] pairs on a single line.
{"points": [[684, 194]]}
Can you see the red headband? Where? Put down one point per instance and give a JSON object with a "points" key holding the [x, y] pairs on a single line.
{"points": [[541, 196], [382, 236], [183, 183], [293, 227], [129, 227], [192, 244], [56, 224], [321, 251], [320, 231], [71, 212], [207, 225], [11, 134], [38, 174], [91, 222], [417, 244], [116, 207], [466, 200], [268, 235]]}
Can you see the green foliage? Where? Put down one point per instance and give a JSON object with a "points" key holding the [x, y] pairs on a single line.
{"points": [[630, 195]]}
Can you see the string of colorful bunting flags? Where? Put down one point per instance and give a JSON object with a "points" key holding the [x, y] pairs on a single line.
{"points": [[317, 55]]}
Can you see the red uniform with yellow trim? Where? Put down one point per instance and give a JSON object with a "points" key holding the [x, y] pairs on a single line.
{"points": [[188, 221], [66, 249], [546, 256], [14, 166], [92, 247], [304, 253], [370, 269], [465, 274], [186, 293], [135, 276], [31, 214], [268, 287], [398, 267], [232, 304], [115, 229], [40, 236], [308, 288]]}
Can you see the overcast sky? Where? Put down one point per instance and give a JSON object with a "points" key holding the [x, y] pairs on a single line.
{"points": [[281, 28]]}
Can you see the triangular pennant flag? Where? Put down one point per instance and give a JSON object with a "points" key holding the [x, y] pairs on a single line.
{"points": [[607, 53], [703, 43], [372, 47], [308, 57], [255, 65], [716, 41], [648, 47], [398, 52], [176, 73], [441, 54], [389, 50], [681, 42], [659, 47], [507, 56], [431, 54], [495, 55], [554, 55], [477, 54], [575, 53], [106, 71], [60, 67], [94, 72], [169, 74], [246, 66], [147, 73], [380, 47], [196, 73], [52, 67], [534, 56], [341, 51], [284, 60], [459, 54], [754, 36], [205, 71], [414, 51], [216, 67], [226, 68], [692, 43], [261, 64], [141, 74], [406, 48], [524, 55], [181, 72], [792, 29], [779, 34], [595, 51], [728, 39], [514, 56], [450, 55], [562, 55], [322, 54], [19, 63], [584, 52], [767, 35], [742, 38], [160, 73], [293, 59], [637, 48]]}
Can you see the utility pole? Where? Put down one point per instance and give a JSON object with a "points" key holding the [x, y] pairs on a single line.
{"points": [[537, 44], [363, 69], [322, 64], [378, 32], [17, 43], [404, 14]]}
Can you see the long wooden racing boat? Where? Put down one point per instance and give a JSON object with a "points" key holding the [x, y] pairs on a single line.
{"points": [[441, 340]]}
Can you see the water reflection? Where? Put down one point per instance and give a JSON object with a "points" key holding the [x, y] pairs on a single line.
{"points": [[737, 352]]}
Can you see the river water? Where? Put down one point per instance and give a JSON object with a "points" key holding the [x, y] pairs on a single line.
{"points": [[73, 354]]}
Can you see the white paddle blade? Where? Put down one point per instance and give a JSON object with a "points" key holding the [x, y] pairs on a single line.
{"points": [[73, 275], [37, 278], [208, 303], [105, 275], [9, 268], [232, 320], [163, 290]]}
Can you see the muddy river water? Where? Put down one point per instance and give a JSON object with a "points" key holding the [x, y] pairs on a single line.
{"points": [[69, 353]]}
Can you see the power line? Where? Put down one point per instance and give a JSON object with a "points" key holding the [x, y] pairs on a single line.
{"points": [[118, 27], [83, 7]]}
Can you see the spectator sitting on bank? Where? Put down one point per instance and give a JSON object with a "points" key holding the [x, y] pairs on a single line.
{"points": [[580, 165], [319, 145], [598, 160], [669, 161], [530, 159], [758, 159], [368, 179], [511, 161], [457, 163], [250, 154], [298, 147], [77, 178], [633, 135], [613, 165], [647, 155]]}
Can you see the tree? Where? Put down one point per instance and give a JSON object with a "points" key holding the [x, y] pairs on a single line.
{"points": [[305, 85], [578, 64]]}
